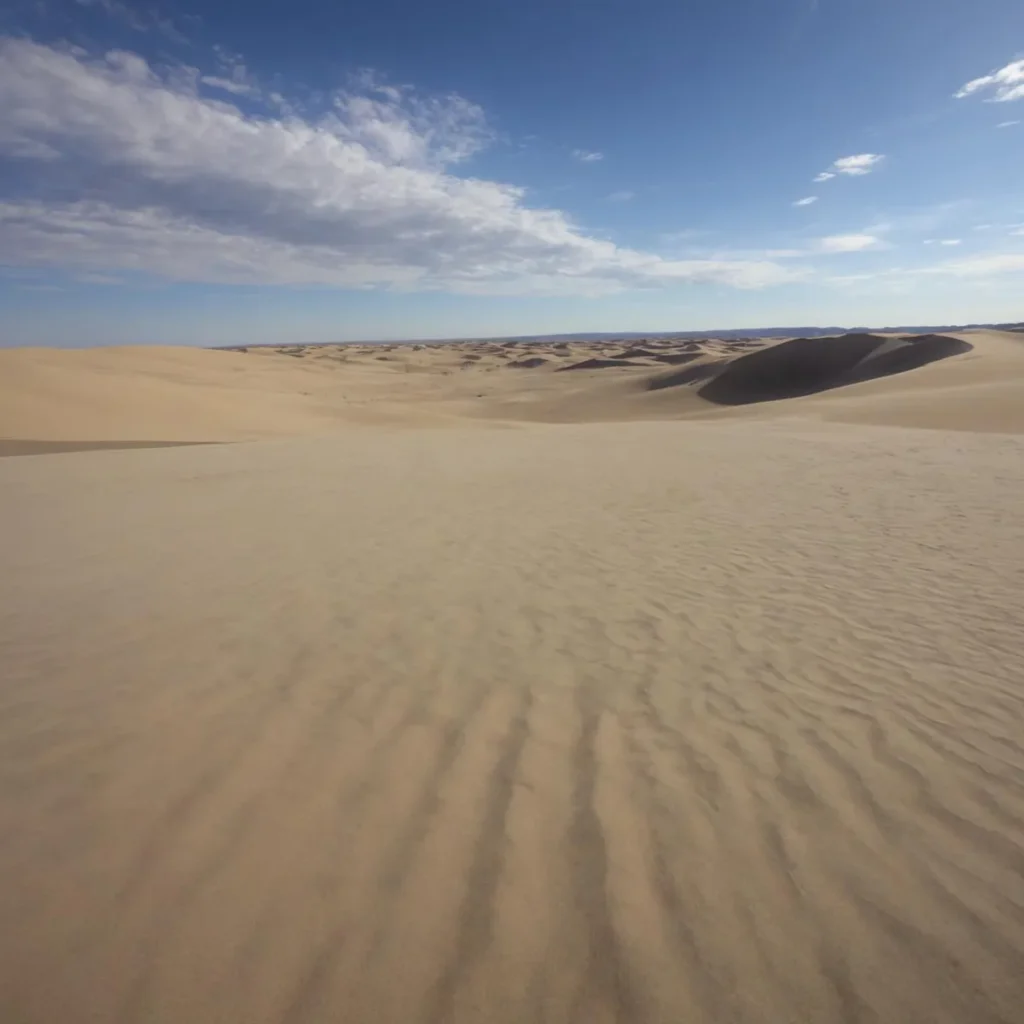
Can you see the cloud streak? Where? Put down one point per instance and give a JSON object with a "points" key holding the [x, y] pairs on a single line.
{"points": [[848, 243], [982, 265], [1003, 85], [852, 166], [806, 201], [587, 156], [137, 18], [134, 169]]}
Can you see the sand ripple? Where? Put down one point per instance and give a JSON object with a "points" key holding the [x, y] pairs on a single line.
{"points": [[642, 722]]}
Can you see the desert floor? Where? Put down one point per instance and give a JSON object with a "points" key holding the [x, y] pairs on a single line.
{"points": [[473, 684]]}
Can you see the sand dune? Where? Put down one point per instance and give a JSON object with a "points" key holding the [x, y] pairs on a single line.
{"points": [[452, 710], [156, 394], [805, 366], [69, 400]]}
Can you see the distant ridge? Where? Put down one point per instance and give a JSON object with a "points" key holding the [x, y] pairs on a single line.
{"points": [[727, 335]]}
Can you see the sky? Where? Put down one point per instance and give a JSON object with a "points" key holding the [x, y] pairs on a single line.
{"points": [[311, 171]]}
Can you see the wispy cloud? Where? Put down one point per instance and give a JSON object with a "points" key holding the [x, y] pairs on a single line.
{"points": [[829, 245], [979, 266], [234, 77], [848, 243], [1010, 228], [843, 279], [942, 241], [137, 17], [622, 196], [1004, 85], [92, 278], [1007, 124], [806, 201], [587, 156], [852, 166], [138, 170]]}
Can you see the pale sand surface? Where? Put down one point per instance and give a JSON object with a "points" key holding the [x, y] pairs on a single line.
{"points": [[446, 712]]}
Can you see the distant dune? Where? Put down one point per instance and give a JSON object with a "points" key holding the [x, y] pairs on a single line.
{"points": [[74, 399], [805, 366], [683, 687]]}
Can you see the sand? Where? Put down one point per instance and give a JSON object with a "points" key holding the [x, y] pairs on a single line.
{"points": [[472, 692]]}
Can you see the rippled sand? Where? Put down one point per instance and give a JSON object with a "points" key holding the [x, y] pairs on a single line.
{"points": [[514, 722]]}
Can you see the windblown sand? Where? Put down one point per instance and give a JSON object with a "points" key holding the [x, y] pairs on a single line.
{"points": [[475, 692]]}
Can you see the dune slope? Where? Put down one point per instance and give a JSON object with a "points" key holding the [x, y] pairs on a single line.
{"points": [[805, 366]]}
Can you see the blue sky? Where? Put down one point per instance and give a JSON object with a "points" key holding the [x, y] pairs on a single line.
{"points": [[311, 171]]}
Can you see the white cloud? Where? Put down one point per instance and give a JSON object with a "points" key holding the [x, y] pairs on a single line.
{"points": [[1007, 124], [806, 201], [949, 241], [133, 170], [229, 85], [847, 243], [862, 163], [86, 235], [1005, 84], [853, 166], [1018, 231], [623, 196], [587, 156]]}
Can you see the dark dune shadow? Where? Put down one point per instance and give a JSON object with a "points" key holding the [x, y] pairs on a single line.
{"points": [[911, 352], [16, 446], [530, 363], [597, 364], [688, 375], [638, 353], [806, 366], [678, 358]]}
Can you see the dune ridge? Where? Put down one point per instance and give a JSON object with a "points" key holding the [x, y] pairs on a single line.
{"points": [[74, 398]]}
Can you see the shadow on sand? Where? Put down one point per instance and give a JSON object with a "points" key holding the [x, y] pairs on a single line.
{"points": [[806, 366]]}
